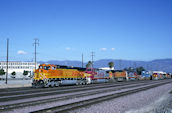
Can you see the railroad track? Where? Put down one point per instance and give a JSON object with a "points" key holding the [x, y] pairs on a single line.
{"points": [[30, 89], [11, 96], [87, 102], [80, 94], [70, 96], [10, 91], [18, 91]]}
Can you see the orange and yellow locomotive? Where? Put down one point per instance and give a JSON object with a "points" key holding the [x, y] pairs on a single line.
{"points": [[49, 75]]}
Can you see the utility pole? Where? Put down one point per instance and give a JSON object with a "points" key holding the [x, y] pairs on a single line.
{"points": [[7, 61], [135, 66], [82, 60], [147, 67], [120, 67], [35, 44], [92, 55]]}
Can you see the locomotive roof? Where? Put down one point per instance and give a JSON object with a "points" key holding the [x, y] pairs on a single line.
{"points": [[70, 67]]}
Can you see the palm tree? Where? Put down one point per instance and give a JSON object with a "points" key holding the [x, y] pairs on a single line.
{"points": [[111, 65]]}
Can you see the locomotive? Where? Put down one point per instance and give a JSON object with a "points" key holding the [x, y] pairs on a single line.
{"points": [[49, 75]]}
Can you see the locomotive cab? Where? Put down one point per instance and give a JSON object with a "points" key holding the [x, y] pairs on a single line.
{"points": [[41, 76]]}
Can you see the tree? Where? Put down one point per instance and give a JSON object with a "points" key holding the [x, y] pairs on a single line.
{"points": [[13, 74], [25, 73], [30, 74], [2, 72], [125, 69], [89, 64], [130, 69], [139, 70], [111, 65]]}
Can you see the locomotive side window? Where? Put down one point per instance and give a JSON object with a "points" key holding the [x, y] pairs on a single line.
{"points": [[53, 68], [40, 67], [46, 67]]}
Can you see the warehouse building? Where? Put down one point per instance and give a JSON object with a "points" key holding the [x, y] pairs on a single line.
{"points": [[18, 68]]}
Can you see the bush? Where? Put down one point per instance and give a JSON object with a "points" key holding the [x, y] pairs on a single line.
{"points": [[25, 73], [13, 74], [2, 72]]}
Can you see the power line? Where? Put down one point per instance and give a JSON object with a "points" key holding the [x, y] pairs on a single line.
{"points": [[35, 44]]}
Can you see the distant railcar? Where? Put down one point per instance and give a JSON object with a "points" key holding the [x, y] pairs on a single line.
{"points": [[132, 76], [168, 76], [120, 75], [146, 75], [158, 75], [97, 75]]}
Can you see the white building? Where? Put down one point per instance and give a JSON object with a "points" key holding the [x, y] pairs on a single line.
{"points": [[107, 68], [18, 68]]}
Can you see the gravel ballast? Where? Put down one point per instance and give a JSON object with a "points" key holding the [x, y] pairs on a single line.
{"points": [[156, 100]]}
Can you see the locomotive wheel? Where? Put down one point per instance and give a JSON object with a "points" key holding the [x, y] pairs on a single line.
{"points": [[56, 84]]}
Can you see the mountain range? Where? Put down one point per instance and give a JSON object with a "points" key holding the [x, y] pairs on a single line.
{"points": [[158, 65]]}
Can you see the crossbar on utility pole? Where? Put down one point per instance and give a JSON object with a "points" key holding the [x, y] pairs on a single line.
{"points": [[35, 44], [7, 61]]}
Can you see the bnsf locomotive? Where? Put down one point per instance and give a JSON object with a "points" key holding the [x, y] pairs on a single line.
{"points": [[48, 75]]}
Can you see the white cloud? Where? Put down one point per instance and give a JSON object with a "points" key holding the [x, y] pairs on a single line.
{"points": [[103, 49], [21, 52], [112, 49], [68, 48]]}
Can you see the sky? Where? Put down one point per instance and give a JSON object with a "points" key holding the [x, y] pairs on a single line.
{"points": [[66, 29]]}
